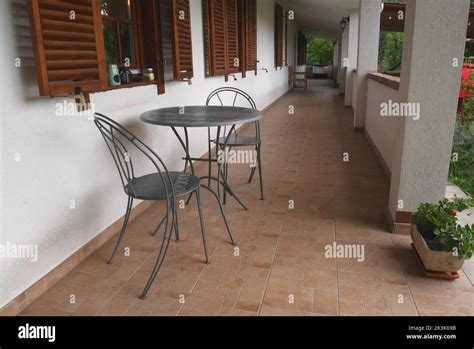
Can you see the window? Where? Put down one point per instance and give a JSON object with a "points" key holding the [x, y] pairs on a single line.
{"points": [[248, 29], [279, 35], [120, 32], [230, 36], [302, 44], [73, 42]]}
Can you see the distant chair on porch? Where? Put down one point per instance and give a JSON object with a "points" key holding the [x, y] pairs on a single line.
{"points": [[297, 79]]}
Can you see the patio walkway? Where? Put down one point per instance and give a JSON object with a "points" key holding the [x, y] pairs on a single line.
{"points": [[280, 267]]}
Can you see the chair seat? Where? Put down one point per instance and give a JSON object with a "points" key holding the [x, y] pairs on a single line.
{"points": [[150, 187], [239, 141]]}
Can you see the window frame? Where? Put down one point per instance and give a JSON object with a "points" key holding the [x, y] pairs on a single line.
{"points": [[136, 36], [81, 69], [279, 17]]}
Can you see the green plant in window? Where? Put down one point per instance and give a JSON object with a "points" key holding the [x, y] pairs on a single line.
{"points": [[111, 47]]}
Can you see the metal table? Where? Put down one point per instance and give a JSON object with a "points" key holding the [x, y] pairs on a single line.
{"points": [[203, 116]]}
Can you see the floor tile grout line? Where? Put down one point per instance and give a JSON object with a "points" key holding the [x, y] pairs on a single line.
{"points": [[271, 267], [408, 281], [199, 278], [124, 283], [337, 262]]}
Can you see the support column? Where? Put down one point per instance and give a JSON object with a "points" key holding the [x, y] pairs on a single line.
{"points": [[433, 51], [339, 59], [335, 64], [344, 60], [352, 55], [367, 53]]}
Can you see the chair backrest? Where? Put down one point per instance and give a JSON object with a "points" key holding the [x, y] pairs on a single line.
{"points": [[119, 140], [230, 96]]}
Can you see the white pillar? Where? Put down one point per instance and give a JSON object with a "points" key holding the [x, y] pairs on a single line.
{"points": [[335, 63], [367, 53], [435, 32], [339, 59], [344, 60], [352, 55]]}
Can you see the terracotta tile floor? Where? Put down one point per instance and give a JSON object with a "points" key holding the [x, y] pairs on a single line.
{"points": [[280, 266]]}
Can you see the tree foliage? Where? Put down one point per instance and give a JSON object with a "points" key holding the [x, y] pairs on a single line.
{"points": [[320, 52], [390, 50]]}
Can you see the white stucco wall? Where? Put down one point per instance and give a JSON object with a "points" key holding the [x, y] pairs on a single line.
{"points": [[367, 53], [353, 39], [65, 159], [354, 90], [381, 129], [344, 60]]}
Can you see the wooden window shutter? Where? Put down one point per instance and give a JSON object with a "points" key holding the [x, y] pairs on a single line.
{"points": [[165, 23], [152, 52], [223, 37], [286, 38], [278, 35], [183, 50], [232, 26], [68, 46], [301, 49], [207, 36], [249, 34], [217, 38]]}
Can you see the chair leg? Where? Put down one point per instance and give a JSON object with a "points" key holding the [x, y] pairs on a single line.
{"points": [[209, 146], [198, 200], [218, 169], [159, 260], [252, 173], [176, 225], [260, 176], [226, 168], [222, 213], [124, 228]]}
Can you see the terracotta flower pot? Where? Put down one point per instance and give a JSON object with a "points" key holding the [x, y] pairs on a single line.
{"points": [[435, 260]]}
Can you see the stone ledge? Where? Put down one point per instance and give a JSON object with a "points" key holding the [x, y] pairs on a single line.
{"points": [[387, 80]]}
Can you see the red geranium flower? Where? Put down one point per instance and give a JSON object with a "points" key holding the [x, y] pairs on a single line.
{"points": [[453, 213]]}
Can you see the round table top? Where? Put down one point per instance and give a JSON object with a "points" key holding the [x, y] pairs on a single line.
{"points": [[200, 116]]}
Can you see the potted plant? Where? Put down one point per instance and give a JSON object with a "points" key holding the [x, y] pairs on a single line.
{"points": [[441, 243]]}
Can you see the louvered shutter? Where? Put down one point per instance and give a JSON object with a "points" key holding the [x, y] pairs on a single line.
{"points": [[286, 38], [232, 25], [302, 43], [218, 37], [278, 35], [68, 46], [165, 24], [251, 59], [183, 52], [207, 36]]}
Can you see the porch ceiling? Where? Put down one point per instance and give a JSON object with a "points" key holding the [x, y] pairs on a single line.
{"points": [[321, 17]]}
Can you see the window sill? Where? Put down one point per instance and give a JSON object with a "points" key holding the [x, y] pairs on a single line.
{"points": [[130, 85]]}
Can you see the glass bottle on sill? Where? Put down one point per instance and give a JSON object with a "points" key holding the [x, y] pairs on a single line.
{"points": [[149, 75]]}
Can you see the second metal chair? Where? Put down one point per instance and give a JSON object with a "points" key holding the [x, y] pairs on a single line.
{"points": [[230, 96]]}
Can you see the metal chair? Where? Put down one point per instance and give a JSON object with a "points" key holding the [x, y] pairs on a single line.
{"points": [[157, 186], [235, 140]]}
